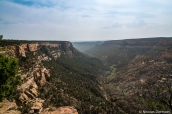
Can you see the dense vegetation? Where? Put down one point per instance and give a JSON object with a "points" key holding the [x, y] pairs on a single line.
{"points": [[140, 77], [1, 36], [74, 79], [8, 76], [18, 42], [73, 82], [122, 51]]}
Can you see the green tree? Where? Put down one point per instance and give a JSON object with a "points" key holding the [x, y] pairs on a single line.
{"points": [[1, 36], [8, 76]]}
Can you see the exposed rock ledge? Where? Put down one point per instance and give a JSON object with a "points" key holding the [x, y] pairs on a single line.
{"points": [[61, 110], [28, 90], [7, 107], [35, 77], [21, 50]]}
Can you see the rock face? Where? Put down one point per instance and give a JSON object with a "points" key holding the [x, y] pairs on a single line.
{"points": [[61, 110], [37, 106], [28, 90], [67, 44], [7, 107], [33, 47], [40, 76], [36, 74], [22, 49], [122, 51]]}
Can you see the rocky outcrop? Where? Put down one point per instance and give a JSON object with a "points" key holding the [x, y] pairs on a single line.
{"points": [[68, 44], [37, 106], [22, 49], [28, 90], [7, 107], [23, 98], [33, 47], [29, 94], [36, 75], [121, 51], [61, 110], [40, 76]]}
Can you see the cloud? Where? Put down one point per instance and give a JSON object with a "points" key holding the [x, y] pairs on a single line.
{"points": [[136, 24], [115, 25], [82, 20]]}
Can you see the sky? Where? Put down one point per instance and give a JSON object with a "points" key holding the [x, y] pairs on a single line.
{"points": [[85, 20]]}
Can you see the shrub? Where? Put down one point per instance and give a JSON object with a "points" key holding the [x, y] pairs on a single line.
{"points": [[8, 76]]}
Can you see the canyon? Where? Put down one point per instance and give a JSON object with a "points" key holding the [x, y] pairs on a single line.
{"points": [[118, 76]]}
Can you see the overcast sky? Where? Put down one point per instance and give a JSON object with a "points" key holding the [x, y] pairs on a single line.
{"points": [[82, 20]]}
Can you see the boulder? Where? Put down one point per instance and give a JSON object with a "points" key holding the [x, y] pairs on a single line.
{"points": [[37, 105], [29, 94], [33, 47], [21, 50], [23, 97], [7, 107], [34, 92], [61, 110]]}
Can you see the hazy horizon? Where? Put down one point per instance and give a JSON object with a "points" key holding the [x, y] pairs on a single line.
{"points": [[87, 41]]}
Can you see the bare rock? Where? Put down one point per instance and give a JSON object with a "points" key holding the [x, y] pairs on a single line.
{"points": [[61, 110], [37, 74], [22, 50], [26, 84], [13, 50], [68, 110], [23, 97], [37, 105], [30, 95], [31, 112], [34, 85], [7, 107], [40, 76], [67, 44], [34, 92], [41, 81], [33, 47], [47, 73]]}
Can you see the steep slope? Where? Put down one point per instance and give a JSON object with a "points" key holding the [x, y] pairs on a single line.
{"points": [[140, 73], [34, 74], [55, 74], [119, 52], [75, 80]]}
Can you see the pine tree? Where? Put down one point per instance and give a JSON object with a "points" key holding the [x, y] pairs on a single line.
{"points": [[8, 76]]}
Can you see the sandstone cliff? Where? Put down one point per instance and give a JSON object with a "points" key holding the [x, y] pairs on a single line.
{"points": [[35, 75], [121, 51], [22, 49]]}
